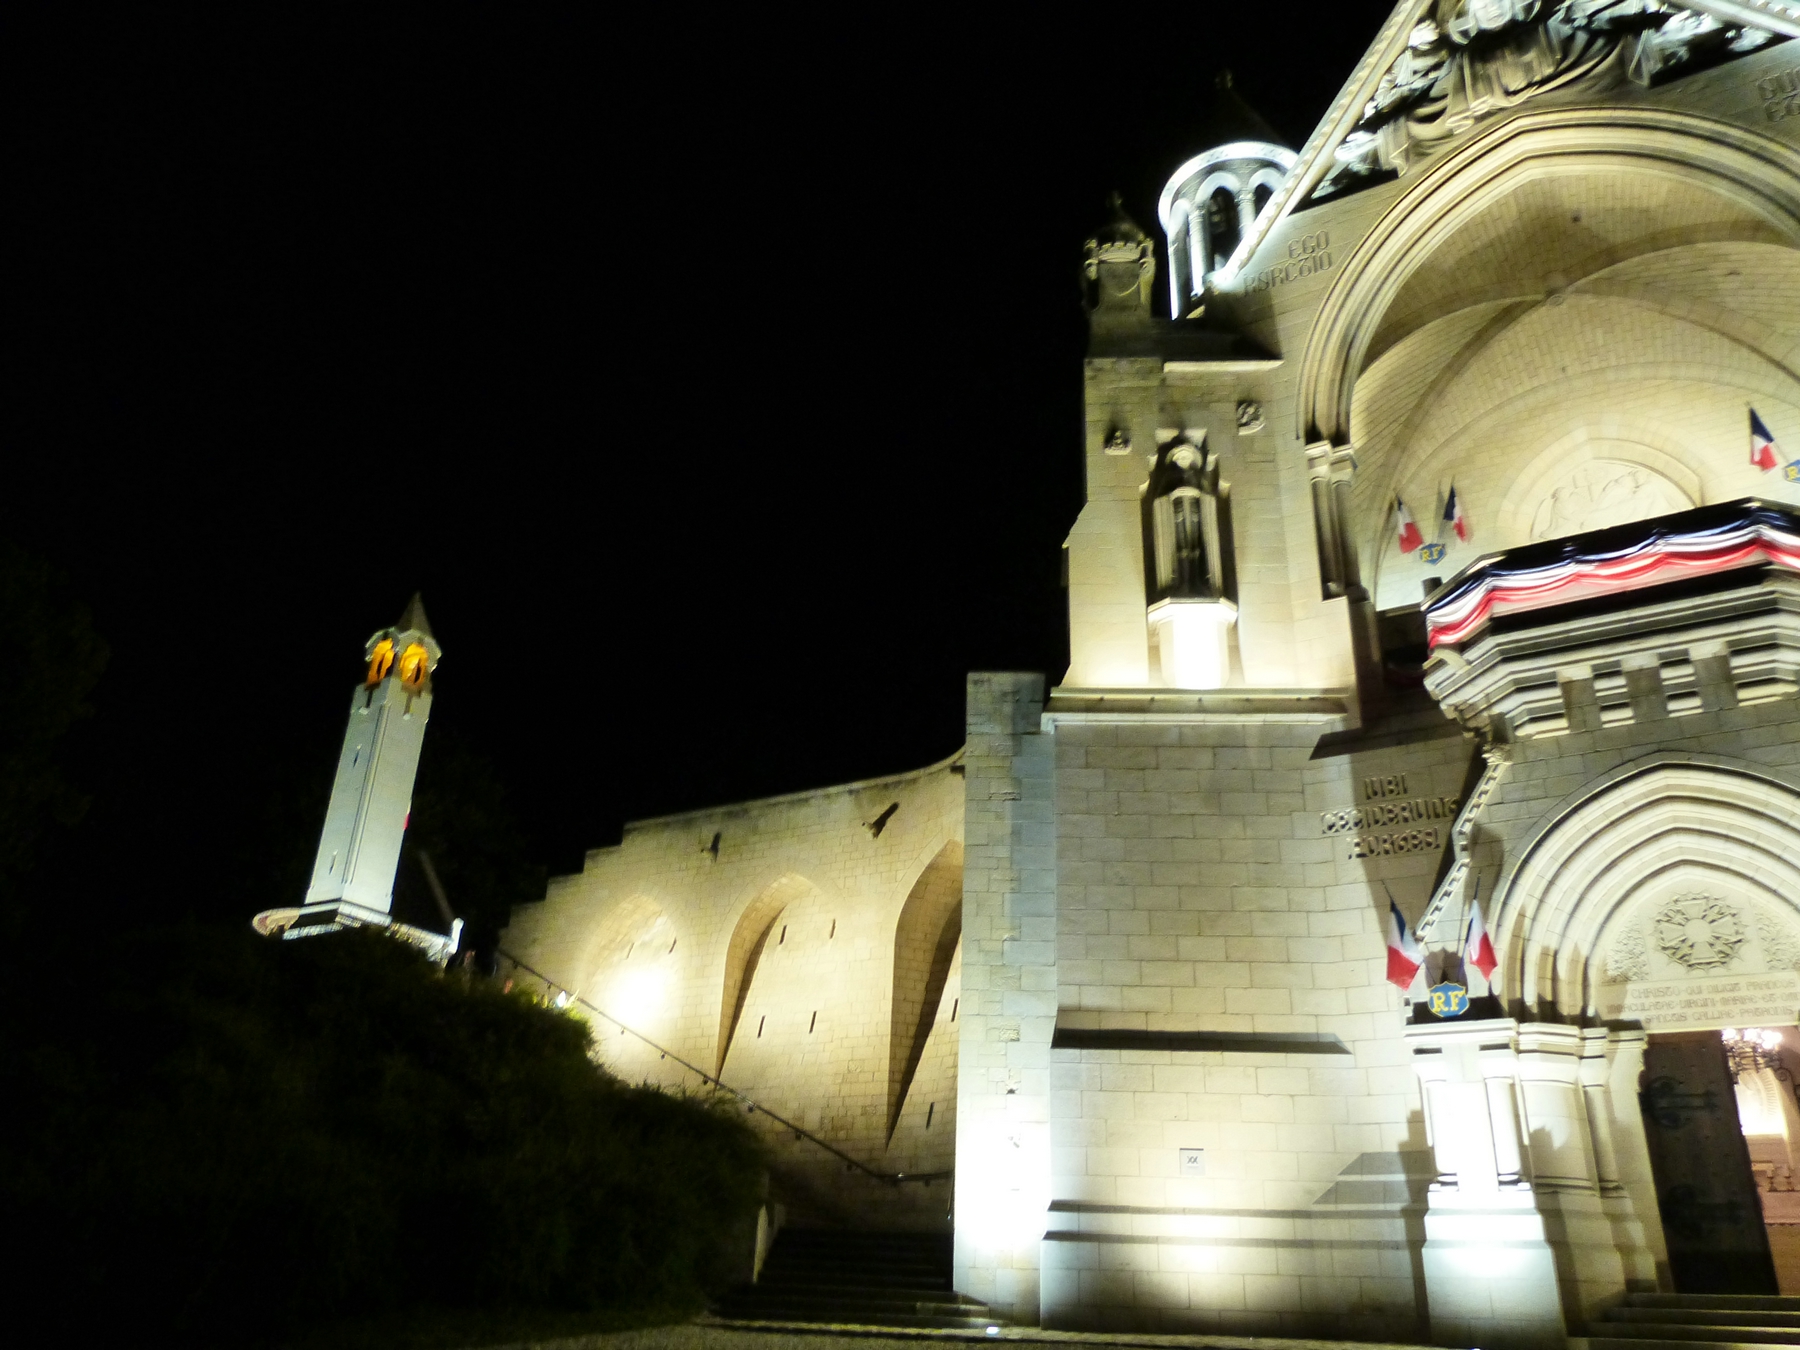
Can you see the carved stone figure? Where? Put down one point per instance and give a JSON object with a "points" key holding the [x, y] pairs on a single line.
{"points": [[1184, 541], [1473, 58]]}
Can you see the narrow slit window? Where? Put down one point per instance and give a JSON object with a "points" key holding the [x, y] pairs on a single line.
{"points": [[955, 1003], [759, 1025], [815, 1022], [783, 938], [929, 1110], [833, 932]]}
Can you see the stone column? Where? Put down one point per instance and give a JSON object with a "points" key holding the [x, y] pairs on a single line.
{"points": [[1008, 995], [1627, 1186], [1490, 1276]]}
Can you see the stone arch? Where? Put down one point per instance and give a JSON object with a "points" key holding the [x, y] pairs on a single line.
{"points": [[627, 968], [1752, 175], [745, 948], [926, 935], [1662, 826]]}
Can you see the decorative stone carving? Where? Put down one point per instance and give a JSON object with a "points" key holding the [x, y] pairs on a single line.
{"points": [[1628, 959], [1249, 417], [1471, 59], [1780, 943], [1603, 493], [1118, 442], [1699, 932]]}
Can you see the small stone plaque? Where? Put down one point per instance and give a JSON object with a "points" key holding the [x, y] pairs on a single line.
{"points": [[1193, 1162]]}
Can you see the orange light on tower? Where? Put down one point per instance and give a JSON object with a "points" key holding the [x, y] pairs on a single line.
{"points": [[381, 660]]}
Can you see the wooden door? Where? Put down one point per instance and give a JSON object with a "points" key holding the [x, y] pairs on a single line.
{"points": [[1711, 1216]]}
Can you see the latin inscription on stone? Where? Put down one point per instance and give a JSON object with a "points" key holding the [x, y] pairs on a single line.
{"points": [[1380, 809], [1307, 256], [1780, 94], [1704, 1003]]}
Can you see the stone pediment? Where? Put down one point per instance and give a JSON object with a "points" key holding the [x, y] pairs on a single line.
{"points": [[1441, 68]]}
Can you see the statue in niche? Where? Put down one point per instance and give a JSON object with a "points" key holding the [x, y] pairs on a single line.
{"points": [[1470, 59], [1187, 553]]}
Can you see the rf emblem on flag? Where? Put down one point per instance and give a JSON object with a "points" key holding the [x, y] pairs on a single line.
{"points": [[1433, 553]]}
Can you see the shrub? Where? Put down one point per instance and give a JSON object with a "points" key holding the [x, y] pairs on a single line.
{"points": [[236, 1138]]}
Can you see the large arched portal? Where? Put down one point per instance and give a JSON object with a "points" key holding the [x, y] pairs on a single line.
{"points": [[1668, 883], [1667, 896], [1566, 320]]}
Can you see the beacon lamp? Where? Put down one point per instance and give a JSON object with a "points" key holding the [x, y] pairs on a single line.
{"points": [[1194, 637]]}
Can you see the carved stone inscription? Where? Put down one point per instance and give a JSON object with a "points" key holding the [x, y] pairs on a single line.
{"points": [[1780, 94], [1380, 808], [1770, 999], [1307, 255]]}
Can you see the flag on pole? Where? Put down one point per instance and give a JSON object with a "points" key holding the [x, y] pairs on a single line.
{"points": [[1478, 948], [1410, 538], [1763, 453], [1453, 515], [1405, 955]]}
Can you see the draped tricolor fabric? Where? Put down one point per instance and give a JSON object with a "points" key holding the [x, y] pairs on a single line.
{"points": [[1677, 547]]}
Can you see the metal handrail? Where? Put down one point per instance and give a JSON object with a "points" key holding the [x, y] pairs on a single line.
{"points": [[892, 1178]]}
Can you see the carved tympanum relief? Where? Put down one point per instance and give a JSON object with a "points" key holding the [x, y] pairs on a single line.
{"points": [[1699, 932], [1601, 493], [1696, 959], [1470, 59]]}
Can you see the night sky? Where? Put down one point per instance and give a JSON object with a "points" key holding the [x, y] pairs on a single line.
{"points": [[717, 383]]}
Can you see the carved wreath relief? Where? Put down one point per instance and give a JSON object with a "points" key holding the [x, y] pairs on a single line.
{"points": [[1700, 932], [1695, 960]]}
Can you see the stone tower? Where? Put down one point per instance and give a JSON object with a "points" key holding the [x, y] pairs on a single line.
{"points": [[1211, 202], [371, 798]]}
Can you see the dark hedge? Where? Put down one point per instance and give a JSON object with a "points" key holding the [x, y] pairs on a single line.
{"points": [[233, 1139]]}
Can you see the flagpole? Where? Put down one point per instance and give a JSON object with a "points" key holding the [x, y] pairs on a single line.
{"points": [[1462, 942]]}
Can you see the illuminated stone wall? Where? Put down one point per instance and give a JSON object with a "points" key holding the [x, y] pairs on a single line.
{"points": [[810, 963]]}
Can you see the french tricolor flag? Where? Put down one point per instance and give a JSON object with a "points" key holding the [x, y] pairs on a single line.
{"points": [[1478, 947], [1410, 538], [1453, 515], [1405, 955], [1763, 453]]}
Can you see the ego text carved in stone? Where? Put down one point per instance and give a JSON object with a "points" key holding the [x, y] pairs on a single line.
{"points": [[1307, 255], [1700, 932]]}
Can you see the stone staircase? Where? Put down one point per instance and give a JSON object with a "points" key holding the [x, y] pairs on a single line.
{"points": [[861, 1279], [1688, 1321]]}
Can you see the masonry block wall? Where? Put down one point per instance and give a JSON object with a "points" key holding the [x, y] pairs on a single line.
{"points": [[803, 950], [1211, 879]]}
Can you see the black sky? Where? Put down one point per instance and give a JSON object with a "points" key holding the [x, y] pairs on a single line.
{"points": [[718, 384]]}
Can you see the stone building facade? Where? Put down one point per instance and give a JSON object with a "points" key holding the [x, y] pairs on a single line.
{"points": [[1543, 257]]}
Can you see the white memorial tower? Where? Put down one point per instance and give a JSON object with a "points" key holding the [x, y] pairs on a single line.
{"points": [[371, 798]]}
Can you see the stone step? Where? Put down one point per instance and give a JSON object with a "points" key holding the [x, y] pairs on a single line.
{"points": [[1637, 1334], [815, 1276], [1760, 1302], [1718, 1317], [1724, 1342], [804, 1317]]}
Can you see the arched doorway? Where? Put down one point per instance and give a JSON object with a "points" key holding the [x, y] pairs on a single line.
{"points": [[1666, 897]]}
